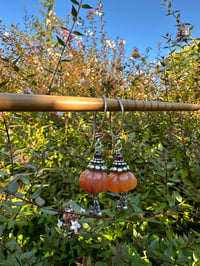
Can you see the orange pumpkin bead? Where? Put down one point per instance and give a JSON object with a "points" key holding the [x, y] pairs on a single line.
{"points": [[93, 181], [121, 182]]}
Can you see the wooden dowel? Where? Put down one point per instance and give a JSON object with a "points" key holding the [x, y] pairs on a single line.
{"points": [[48, 103]]}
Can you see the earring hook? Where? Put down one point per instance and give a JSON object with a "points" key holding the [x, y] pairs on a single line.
{"points": [[118, 144], [98, 134], [122, 119]]}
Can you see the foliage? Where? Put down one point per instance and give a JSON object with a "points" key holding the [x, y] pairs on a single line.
{"points": [[45, 217]]}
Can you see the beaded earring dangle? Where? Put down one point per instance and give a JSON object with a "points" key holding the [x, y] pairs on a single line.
{"points": [[120, 180], [94, 179]]}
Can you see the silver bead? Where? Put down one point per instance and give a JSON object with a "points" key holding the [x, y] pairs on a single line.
{"points": [[91, 166], [103, 167], [114, 169]]}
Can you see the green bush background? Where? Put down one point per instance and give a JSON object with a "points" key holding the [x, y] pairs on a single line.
{"points": [[43, 154]]}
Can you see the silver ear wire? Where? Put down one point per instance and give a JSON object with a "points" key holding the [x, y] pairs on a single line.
{"points": [[98, 134], [116, 147]]}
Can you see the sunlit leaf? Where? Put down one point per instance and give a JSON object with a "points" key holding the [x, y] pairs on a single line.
{"points": [[64, 28], [16, 68], [37, 192], [86, 6], [77, 33], [13, 186], [40, 201], [60, 41], [30, 166], [74, 12], [2, 84], [49, 211], [75, 2]]}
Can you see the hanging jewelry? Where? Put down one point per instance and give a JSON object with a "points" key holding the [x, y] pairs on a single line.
{"points": [[121, 179], [94, 179]]}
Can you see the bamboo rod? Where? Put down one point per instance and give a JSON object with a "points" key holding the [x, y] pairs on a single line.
{"points": [[48, 103]]}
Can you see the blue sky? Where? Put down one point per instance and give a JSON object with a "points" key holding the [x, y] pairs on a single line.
{"points": [[141, 23]]}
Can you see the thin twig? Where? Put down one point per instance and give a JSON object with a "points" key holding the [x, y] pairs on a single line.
{"points": [[184, 148], [93, 216], [9, 250], [63, 50], [9, 142]]}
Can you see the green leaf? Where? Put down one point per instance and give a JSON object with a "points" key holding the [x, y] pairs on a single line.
{"points": [[196, 233], [4, 173], [40, 201], [100, 263], [18, 203], [60, 41], [74, 12], [4, 59], [36, 154], [30, 166], [77, 33], [66, 60], [160, 147], [86, 6], [11, 223], [16, 60], [13, 187], [64, 28], [114, 250], [1, 230], [2, 184], [2, 84], [49, 211], [16, 68], [34, 83], [24, 180], [31, 75], [37, 192], [27, 255], [75, 2]]}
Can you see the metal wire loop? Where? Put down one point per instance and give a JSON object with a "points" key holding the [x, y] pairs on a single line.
{"points": [[98, 134], [116, 139], [118, 145], [122, 119], [98, 143]]}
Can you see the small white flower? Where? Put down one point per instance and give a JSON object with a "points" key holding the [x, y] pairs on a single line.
{"points": [[89, 33], [57, 55], [110, 44], [68, 210], [82, 210], [59, 224], [48, 22], [7, 34], [121, 42], [99, 13], [70, 56], [75, 226], [52, 14], [78, 23]]}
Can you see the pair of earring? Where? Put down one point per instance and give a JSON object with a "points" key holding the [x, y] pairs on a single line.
{"points": [[95, 179]]}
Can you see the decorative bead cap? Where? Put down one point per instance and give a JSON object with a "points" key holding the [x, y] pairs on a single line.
{"points": [[97, 163], [119, 165]]}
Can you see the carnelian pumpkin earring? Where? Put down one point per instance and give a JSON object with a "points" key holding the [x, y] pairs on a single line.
{"points": [[94, 179], [120, 180]]}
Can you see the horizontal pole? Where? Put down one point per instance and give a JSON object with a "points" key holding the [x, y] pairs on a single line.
{"points": [[49, 103]]}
